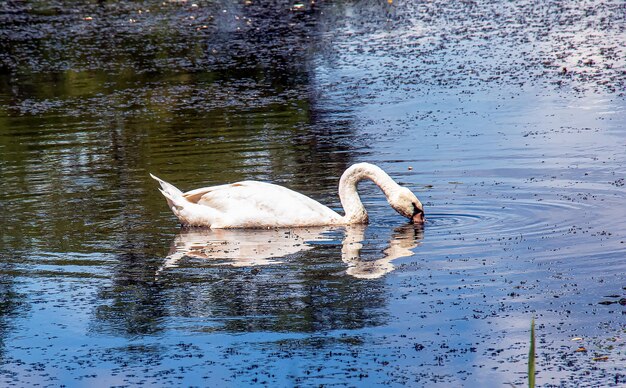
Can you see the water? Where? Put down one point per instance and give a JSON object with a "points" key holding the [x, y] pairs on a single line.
{"points": [[520, 164]]}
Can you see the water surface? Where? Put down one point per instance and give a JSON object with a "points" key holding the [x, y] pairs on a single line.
{"points": [[507, 120]]}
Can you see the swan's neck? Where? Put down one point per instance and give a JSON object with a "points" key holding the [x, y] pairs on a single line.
{"points": [[350, 200]]}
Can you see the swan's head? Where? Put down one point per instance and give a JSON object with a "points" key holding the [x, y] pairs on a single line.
{"points": [[407, 204]]}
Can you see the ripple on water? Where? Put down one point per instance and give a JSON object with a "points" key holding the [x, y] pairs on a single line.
{"points": [[498, 219]]}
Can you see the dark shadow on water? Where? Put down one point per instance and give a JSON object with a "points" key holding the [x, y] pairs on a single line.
{"points": [[12, 304]]}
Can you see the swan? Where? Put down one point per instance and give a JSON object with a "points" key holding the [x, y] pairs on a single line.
{"points": [[253, 204]]}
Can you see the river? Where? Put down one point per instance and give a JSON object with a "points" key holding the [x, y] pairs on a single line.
{"points": [[506, 119]]}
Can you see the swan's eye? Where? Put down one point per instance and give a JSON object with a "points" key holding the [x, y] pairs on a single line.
{"points": [[417, 210]]}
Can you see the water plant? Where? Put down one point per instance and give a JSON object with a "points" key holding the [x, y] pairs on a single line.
{"points": [[531, 356]]}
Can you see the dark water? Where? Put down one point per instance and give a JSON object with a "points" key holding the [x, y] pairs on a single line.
{"points": [[507, 120]]}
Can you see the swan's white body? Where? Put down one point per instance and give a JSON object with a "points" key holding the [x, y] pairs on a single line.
{"points": [[252, 204]]}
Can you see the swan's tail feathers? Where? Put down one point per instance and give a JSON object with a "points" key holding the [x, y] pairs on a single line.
{"points": [[172, 202], [189, 213], [167, 187], [173, 196]]}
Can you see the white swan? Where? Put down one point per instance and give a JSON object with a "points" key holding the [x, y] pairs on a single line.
{"points": [[252, 204]]}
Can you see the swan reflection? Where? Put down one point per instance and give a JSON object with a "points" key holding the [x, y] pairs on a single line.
{"points": [[401, 243], [248, 248]]}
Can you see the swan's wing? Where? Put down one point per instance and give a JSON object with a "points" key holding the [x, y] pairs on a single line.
{"points": [[195, 195], [252, 204]]}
